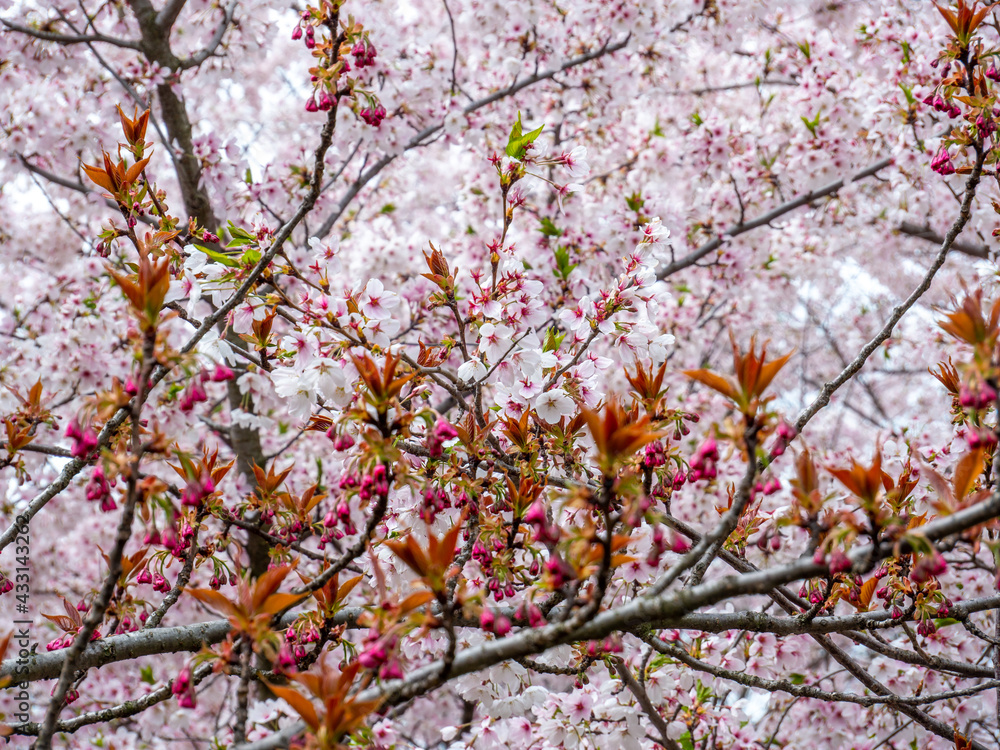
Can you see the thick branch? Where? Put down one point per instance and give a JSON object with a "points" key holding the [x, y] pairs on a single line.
{"points": [[168, 14], [634, 614], [900, 310], [926, 233], [69, 39], [765, 219]]}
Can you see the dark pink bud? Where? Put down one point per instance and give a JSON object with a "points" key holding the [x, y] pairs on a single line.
{"points": [[839, 562], [187, 701], [535, 515], [487, 619], [222, 374], [709, 449], [285, 663], [502, 626], [391, 671], [182, 683]]}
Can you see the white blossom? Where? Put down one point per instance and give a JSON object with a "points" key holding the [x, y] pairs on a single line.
{"points": [[554, 404], [472, 370]]}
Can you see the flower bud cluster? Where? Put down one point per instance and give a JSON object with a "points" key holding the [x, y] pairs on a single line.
{"points": [[340, 517], [942, 163], [980, 397], [949, 108], [433, 502], [183, 688], [84, 439], [491, 622], [784, 434], [443, 431], [98, 489], [500, 591], [197, 490], [296, 640], [703, 463], [379, 653], [364, 54]]}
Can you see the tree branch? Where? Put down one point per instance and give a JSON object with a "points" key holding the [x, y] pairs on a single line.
{"points": [[900, 310], [765, 219], [368, 175], [70, 39]]}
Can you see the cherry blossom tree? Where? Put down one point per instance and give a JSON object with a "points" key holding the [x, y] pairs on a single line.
{"points": [[468, 374]]}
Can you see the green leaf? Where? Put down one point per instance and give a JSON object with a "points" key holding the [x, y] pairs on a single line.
{"points": [[797, 679], [686, 741], [515, 133], [563, 267], [146, 675], [812, 124], [908, 92], [553, 340], [240, 236], [517, 142], [220, 257], [549, 229], [703, 692], [187, 465], [635, 202]]}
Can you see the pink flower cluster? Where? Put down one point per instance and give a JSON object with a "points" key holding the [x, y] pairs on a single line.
{"points": [[703, 463], [183, 688], [364, 54], [341, 515], [84, 439], [304, 28], [443, 431], [949, 108], [98, 489], [380, 654], [491, 622], [942, 163], [373, 114]]}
